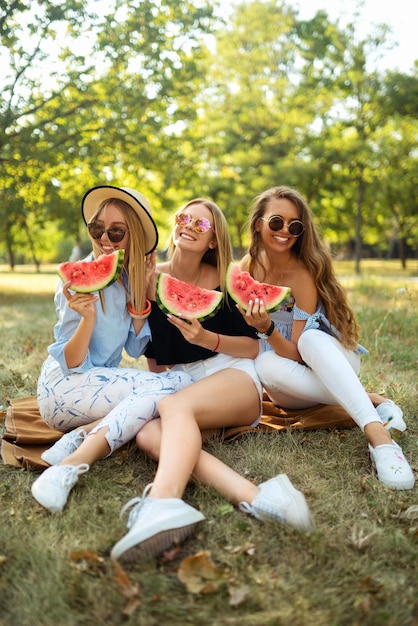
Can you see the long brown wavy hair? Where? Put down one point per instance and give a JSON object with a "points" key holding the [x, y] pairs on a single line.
{"points": [[312, 252]]}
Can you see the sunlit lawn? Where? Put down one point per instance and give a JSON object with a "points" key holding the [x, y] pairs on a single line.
{"points": [[358, 568]]}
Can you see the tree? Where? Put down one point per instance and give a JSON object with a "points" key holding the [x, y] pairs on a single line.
{"points": [[107, 112], [354, 117], [33, 111]]}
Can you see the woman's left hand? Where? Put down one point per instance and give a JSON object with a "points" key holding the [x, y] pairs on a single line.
{"points": [[191, 329], [256, 315]]}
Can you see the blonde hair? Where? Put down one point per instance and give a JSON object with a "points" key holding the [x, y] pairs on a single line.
{"points": [[135, 267], [220, 256], [313, 253]]}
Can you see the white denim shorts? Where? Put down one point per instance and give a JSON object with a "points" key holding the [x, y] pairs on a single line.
{"points": [[206, 367]]}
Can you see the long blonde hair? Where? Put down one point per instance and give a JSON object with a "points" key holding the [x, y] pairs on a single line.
{"points": [[134, 267], [220, 256], [313, 253]]}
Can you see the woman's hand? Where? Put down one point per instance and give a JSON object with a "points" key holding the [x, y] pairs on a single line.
{"points": [[192, 330], [256, 315], [82, 303]]}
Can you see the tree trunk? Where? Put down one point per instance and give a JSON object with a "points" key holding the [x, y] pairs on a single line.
{"points": [[358, 242], [402, 253], [10, 254]]}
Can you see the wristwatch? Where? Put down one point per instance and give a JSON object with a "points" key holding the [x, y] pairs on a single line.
{"points": [[268, 332]]}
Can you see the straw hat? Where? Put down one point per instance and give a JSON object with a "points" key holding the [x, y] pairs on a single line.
{"points": [[94, 197]]}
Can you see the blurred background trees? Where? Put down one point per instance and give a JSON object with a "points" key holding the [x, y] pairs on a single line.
{"points": [[179, 100]]}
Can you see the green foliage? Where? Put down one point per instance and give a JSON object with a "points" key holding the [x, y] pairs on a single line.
{"points": [[180, 102]]}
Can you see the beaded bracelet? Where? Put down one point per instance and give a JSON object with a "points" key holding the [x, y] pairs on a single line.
{"points": [[139, 316], [217, 343]]}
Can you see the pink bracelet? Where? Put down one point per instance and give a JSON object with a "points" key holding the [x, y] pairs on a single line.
{"points": [[217, 343]]}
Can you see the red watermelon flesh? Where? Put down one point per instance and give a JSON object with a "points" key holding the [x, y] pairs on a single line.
{"points": [[88, 276], [184, 300], [242, 288]]}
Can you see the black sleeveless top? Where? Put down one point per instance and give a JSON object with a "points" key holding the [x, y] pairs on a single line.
{"points": [[169, 347]]}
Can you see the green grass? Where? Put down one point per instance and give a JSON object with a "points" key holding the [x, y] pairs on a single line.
{"points": [[359, 566]]}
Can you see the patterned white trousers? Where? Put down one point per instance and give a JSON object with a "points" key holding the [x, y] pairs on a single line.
{"points": [[126, 398]]}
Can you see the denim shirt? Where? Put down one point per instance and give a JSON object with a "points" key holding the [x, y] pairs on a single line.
{"points": [[289, 311], [113, 331]]}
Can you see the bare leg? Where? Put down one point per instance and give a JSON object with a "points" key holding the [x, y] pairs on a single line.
{"points": [[376, 398], [209, 470], [376, 434], [228, 397], [161, 518], [93, 448]]}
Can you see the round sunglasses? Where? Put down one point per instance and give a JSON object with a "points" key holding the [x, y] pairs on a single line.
{"points": [[276, 223], [114, 234], [199, 224]]}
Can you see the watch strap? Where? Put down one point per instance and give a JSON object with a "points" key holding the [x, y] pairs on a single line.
{"points": [[268, 332]]}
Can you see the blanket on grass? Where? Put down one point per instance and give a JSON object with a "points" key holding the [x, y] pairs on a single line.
{"points": [[26, 435]]}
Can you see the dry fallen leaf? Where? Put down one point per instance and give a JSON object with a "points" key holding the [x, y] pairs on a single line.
{"points": [[411, 512], [246, 548], [363, 482], [237, 595], [170, 555], [130, 590], [85, 555], [370, 585], [88, 561], [199, 573], [28, 347], [360, 540]]}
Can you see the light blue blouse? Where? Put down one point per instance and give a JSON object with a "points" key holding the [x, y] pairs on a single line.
{"points": [[289, 311], [113, 331]]}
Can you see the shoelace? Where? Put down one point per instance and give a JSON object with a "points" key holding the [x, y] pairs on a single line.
{"points": [[82, 434], [73, 472], [136, 505], [75, 439], [245, 507]]}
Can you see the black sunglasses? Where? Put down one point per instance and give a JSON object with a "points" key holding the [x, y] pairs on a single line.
{"points": [[276, 223], [114, 234]]}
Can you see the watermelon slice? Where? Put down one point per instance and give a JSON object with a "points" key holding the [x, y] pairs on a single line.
{"points": [[242, 288], [87, 276], [184, 300]]}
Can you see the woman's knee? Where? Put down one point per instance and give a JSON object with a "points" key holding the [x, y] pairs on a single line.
{"points": [[311, 343], [312, 337], [178, 403], [270, 368], [149, 438]]}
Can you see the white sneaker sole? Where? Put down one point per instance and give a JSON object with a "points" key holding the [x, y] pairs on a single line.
{"points": [[151, 547]]}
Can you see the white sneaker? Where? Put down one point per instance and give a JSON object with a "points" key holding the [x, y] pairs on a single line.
{"points": [[392, 468], [278, 500], [391, 416], [53, 486], [154, 525], [65, 446]]}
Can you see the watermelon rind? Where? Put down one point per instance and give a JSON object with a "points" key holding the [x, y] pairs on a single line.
{"points": [[94, 275], [242, 287], [183, 300]]}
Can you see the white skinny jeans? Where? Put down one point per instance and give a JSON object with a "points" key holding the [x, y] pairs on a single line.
{"points": [[330, 376]]}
